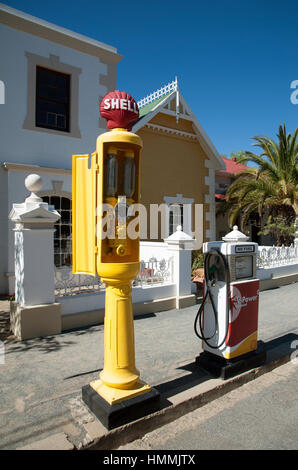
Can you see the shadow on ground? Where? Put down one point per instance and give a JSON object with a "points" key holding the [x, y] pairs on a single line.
{"points": [[49, 343], [275, 348], [175, 386], [5, 332]]}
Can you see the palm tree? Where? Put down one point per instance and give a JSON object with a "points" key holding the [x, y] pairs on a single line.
{"points": [[271, 184]]}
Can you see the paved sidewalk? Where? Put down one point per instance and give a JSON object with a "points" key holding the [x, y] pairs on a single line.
{"points": [[41, 380], [260, 415]]}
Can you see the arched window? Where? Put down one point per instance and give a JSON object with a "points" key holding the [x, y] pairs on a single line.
{"points": [[62, 235]]}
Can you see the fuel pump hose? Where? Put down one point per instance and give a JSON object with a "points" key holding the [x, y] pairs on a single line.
{"points": [[198, 324]]}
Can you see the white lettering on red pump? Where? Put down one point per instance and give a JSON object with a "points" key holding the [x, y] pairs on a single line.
{"points": [[107, 104], [123, 103], [115, 103]]}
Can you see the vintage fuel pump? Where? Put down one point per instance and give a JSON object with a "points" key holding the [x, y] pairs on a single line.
{"points": [[227, 320], [103, 196]]}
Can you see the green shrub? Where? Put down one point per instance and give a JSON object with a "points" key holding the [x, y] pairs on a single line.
{"points": [[197, 260]]}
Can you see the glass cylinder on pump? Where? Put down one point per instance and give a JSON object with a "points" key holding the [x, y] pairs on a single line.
{"points": [[129, 174], [111, 173]]}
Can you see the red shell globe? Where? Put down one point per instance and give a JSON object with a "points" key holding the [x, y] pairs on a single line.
{"points": [[119, 109]]}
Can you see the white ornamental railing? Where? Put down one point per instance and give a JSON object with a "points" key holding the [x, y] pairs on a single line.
{"points": [[152, 272], [277, 256], [67, 283], [173, 86]]}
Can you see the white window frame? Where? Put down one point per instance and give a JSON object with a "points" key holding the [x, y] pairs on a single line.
{"points": [[187, 212], [52, 63]]}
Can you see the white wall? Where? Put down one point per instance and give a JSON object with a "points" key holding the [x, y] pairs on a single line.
{"points": [[19, 145], [88, 302]]}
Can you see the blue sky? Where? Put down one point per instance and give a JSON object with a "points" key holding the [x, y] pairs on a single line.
{"points": [[235, 60]]}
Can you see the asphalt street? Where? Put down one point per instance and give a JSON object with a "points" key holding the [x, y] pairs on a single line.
{"points": [[41, 379]]}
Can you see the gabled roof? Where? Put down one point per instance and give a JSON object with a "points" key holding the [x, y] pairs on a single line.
{"points": [[159, 102], [232, 167], [220, 196]]}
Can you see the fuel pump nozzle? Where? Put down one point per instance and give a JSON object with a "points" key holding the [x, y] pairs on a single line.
{"points": [[217, 271], [212, 271]]}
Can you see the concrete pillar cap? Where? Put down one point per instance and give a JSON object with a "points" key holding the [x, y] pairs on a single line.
{"points": [[235, 236]]}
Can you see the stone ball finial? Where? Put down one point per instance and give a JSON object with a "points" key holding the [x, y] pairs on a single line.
{"points": [[33, 183], [179, 228]]}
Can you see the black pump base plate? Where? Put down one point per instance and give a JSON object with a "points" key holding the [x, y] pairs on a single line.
{"points": [[123, 412], [227, 368]]}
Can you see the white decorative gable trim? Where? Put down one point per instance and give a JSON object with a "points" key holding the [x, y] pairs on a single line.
{"points": [[170, 112], [164, 107], [173, 86], [169, 130]]}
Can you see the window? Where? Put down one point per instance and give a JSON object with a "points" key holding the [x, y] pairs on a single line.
{"points": [[52, 99], [52, 96], [175, 217], [179, 213], [62, 234]]}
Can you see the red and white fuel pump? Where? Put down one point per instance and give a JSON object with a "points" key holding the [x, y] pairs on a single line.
{"points": [[227, 320]]}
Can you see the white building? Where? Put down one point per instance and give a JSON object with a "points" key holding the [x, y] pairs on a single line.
{"points": [[52, 80]]}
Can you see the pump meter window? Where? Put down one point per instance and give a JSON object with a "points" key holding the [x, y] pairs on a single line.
{"points": [[243, 267]]}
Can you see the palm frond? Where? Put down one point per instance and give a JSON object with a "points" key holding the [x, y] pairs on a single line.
{"points": [[271, 182]]}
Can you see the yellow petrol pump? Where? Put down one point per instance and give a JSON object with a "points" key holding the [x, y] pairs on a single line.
{"points": [[103, 197]]}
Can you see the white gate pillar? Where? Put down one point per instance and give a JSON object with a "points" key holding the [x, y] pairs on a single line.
{"points": [[180, 245], [34, 312]]}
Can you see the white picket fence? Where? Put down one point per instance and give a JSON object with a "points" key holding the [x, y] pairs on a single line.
{"points": [[277, 256]]}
